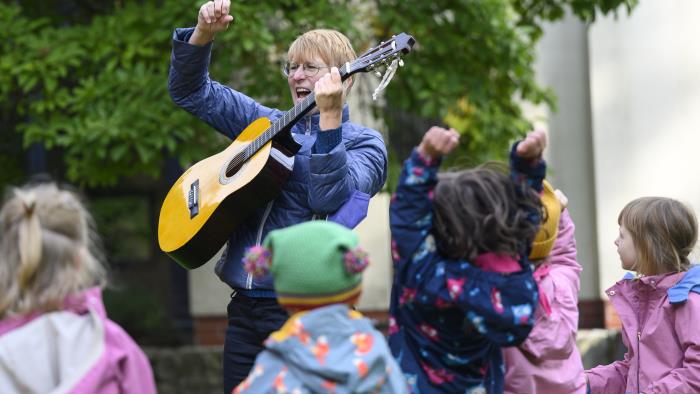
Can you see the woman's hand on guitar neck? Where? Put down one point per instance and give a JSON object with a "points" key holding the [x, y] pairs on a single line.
{"points": [[213, 17], [330, 96]]}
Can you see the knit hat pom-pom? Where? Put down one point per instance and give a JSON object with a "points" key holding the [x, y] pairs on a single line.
{"points": [[356, 260], [257, 261]]}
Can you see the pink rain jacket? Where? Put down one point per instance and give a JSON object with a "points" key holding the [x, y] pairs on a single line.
{"points": [[662, 340], [548, 361], [75, 350]]}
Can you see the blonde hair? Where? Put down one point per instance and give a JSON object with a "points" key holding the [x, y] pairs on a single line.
{"points": [[48, 250], [330, 45], [664, 232]]}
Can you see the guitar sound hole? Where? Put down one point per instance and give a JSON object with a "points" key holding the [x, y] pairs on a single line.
{"points": [[233, 168]]}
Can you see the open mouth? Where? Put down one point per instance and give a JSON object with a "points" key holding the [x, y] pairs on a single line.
{"points": [[302, 92]]}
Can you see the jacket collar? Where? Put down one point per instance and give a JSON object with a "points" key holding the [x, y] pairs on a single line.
{"points": [[662, 281]]}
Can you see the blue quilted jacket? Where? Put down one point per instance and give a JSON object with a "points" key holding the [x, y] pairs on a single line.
{"points": [[335, 172]]}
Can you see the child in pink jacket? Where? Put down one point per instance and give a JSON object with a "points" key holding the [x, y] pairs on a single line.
{"points": [[659, 306], [549, 361], [55, 336]]}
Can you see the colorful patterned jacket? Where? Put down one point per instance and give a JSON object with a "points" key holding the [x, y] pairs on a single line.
{"points": [[449, 319], [327, 350]]}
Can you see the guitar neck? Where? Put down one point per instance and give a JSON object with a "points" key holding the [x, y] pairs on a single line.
{"points": [[290, 117]]}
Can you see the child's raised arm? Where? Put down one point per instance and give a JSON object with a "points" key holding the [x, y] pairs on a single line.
{"points": [[526, 162], [411, 207], [553, 334]]}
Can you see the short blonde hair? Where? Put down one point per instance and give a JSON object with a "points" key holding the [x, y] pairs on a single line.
{"points": [[330, 45], [664, 232], [48, 250]]}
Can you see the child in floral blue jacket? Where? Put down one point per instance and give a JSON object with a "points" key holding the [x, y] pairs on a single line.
{"points": [[463, 285]]}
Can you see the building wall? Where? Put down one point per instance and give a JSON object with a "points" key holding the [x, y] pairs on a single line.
{"points": [[645, 100], [563, 66], [627, 121]]}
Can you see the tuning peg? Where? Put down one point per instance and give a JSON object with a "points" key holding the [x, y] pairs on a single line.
{"points": [[400, 62], [378, 74]]}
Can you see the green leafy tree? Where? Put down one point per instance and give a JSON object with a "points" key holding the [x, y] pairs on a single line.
{"points": [[473, 66], [92, 82], [88, 79]]}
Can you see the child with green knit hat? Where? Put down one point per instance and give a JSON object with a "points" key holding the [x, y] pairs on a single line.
{"points": [[325, 346]]}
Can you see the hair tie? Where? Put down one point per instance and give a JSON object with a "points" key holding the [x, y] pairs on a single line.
{"points": [[29, 239], [28, 201], [257, 261], [355, 260]]}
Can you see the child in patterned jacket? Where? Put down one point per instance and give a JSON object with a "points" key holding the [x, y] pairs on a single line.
{"points": [[463, 285], [325, 346]]}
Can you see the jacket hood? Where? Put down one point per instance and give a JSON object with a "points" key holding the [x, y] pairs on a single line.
{"points": [[679, 293], [351, 355], [678, 285], [64, 344]]}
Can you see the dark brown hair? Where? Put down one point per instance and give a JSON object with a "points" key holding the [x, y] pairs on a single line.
{"points": [[479, 210], [664, 232]]}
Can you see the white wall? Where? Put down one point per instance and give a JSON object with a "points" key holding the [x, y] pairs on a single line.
{"points": [[645, 91], [562, 64]]}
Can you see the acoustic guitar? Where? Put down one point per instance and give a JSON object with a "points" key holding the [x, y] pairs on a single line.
{"points": [[207, 203]]}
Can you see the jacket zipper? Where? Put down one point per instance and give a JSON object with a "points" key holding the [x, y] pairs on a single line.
{"points": [[639, 337], [308, 126], [639, 358], [258, 241]]}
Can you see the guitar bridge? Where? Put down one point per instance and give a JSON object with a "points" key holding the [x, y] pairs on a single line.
{"points": [[193, 199]]}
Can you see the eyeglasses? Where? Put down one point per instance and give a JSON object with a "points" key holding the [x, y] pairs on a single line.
{"points": [[309, 69]]}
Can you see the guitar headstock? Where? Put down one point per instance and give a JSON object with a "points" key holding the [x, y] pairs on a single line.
{"points": [[381, 55]]}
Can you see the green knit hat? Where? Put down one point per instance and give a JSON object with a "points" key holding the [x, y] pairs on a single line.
{"points": [[313, 263]]}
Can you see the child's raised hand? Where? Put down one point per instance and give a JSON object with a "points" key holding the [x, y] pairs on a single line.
{"points": [[533, 145], [563, 200], [438, 141]]}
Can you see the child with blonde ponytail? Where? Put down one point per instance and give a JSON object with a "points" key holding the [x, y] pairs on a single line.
{"points": [[54, 333]]}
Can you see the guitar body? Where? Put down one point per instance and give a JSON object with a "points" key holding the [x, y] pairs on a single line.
{"points": [[207, 203]]}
